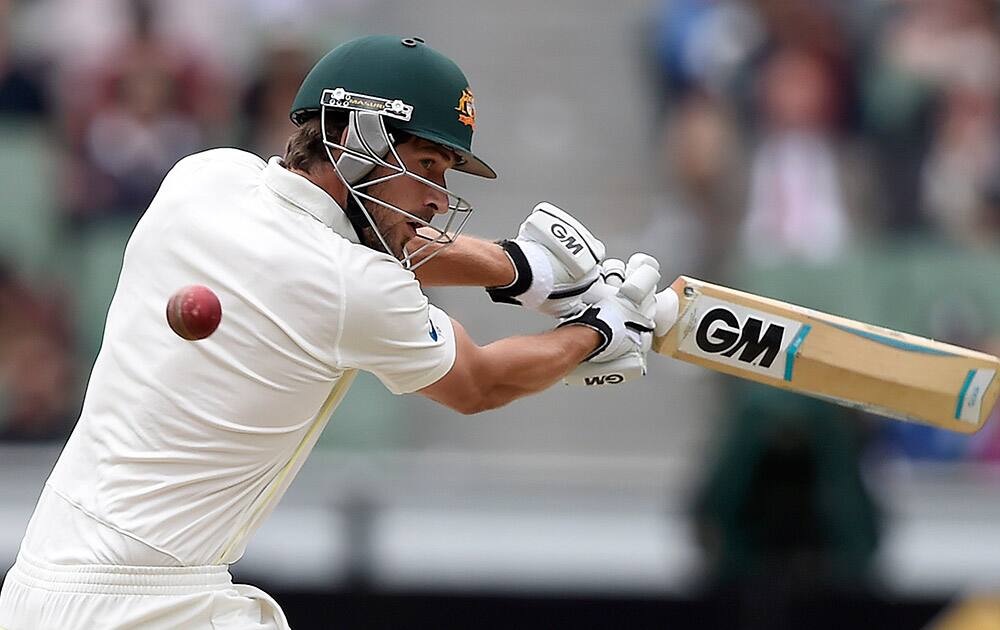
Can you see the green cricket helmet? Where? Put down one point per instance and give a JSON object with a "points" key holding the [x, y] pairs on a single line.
{"points": [[413, 88], [385, 86]]}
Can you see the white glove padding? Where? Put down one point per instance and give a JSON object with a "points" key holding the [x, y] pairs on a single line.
{"points": [[613, 372], [556, 259], [612, 276], [631, 365], [667, 311], [624, 319]]}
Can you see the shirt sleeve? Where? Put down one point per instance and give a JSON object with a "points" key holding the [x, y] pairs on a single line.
{"points": [[391, 330]]}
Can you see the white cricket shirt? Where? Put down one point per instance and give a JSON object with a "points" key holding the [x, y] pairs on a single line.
{"points": [[184, 447]]}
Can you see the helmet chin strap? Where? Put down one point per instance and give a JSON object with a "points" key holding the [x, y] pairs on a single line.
{"points": [[367, 135]]}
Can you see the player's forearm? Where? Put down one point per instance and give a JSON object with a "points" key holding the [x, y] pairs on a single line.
{"points": [[521, 366], [491, 376], [470, 262]]}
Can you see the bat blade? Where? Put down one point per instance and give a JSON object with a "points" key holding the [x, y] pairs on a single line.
{"points": [[876, 369]]}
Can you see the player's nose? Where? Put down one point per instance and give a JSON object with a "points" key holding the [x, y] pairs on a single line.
{"points": [[436, 201]]}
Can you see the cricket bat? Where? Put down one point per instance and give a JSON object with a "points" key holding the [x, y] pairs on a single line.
{"points": [[847, 362]]}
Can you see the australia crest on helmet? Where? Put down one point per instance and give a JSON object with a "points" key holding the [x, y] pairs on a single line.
{"points": [[467, 108]]}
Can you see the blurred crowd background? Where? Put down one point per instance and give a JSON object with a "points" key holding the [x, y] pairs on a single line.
{"points": [[839, 154]]}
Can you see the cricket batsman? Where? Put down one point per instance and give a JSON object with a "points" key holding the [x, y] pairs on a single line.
{"points": [[319, 258]]}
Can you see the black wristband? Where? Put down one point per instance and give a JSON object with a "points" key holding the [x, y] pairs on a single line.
{"points": [[522, 276], [588, 317]]}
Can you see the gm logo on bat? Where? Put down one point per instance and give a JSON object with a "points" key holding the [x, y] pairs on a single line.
{"points": [[720, 332], [732, 334]]}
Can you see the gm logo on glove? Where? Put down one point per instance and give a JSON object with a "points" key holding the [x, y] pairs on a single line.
{"points": [[604, 379], [568, 241]]}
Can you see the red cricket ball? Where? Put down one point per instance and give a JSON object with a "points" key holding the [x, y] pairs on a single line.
{"points": [[194, 312]]}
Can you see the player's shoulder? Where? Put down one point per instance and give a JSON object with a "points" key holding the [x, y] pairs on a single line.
{"points": [[224, 156], [215, 162], [376, 277], [365, 265]]}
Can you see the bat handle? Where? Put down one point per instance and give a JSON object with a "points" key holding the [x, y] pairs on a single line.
{"points": [[667, 305]]}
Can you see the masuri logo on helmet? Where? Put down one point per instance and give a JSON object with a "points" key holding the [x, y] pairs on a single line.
{"points": [[342, 99]]}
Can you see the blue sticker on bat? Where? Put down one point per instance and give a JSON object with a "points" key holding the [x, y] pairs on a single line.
{"points": [[794, 348]]}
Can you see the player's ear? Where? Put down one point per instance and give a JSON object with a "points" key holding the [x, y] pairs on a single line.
{"points": [[340, 139]]}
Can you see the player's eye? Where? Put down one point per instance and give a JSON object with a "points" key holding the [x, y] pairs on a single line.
{"points": [[427, 163]]}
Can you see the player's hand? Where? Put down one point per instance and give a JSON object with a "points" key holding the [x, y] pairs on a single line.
{"points": [[625, 318], [632, 363], [556, 259], [612, 275]]}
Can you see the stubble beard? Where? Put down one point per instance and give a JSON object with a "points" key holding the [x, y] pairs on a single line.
{"points": [[371, 239]]}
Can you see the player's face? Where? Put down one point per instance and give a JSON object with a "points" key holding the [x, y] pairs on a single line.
{"points": [[421, 157]]}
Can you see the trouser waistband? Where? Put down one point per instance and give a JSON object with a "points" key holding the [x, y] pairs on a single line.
{"points": [[123, 580]]}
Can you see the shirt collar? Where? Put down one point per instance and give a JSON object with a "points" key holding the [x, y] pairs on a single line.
{"points": [[298, 192]]}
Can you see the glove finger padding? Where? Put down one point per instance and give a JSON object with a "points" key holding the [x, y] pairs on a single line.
{"points": [[639, 259], [643, 282], [667, 307], [612, 277], [639, 291], [624, 317], [640, 286], [612, 274], [625, 293]]}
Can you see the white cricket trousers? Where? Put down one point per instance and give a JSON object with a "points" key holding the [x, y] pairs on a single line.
{"points": [[41, 596]]}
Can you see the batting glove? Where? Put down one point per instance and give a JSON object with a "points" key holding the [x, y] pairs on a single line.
{"points": [[555, 258], [637, 288]]}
